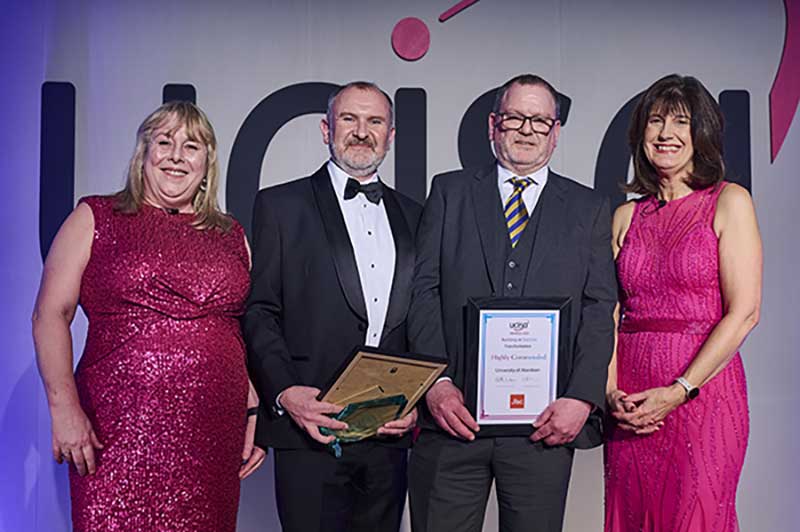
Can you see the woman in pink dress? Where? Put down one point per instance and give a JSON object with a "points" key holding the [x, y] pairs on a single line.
{"points": [[155, 422], [689, 263]]}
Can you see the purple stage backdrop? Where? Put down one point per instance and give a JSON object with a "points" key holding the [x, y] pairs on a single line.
{"points": [[78, 77]]}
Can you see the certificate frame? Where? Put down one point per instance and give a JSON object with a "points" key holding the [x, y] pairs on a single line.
{"points": [[369, 374], [478, 313]]}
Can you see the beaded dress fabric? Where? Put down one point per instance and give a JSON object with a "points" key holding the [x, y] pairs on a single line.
{"points": [[683, 477], [162, 377]]}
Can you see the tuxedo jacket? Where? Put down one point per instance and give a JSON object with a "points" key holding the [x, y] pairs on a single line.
{"points": [[306, 310], [462, 248]]}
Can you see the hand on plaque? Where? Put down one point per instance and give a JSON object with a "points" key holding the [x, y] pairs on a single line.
{"points": [[309, 413], [398, 427]]}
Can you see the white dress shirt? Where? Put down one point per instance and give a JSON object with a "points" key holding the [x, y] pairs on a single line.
{"points": [[530, 196], [373, 245]]}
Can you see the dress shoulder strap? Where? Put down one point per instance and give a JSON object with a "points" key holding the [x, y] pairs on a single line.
{"points": [[712, 197]]}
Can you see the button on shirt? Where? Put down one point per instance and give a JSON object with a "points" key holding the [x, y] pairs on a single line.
{"points": [[530, 196], [373, 245]]}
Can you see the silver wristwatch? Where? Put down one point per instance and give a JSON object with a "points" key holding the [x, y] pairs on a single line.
{"points": [[691, 391]]}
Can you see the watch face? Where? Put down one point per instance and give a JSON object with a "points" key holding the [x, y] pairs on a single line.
{"points": [[694, 392]]}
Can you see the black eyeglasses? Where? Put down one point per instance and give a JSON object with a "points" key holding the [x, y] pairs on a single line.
{"points": [[512, 122]]}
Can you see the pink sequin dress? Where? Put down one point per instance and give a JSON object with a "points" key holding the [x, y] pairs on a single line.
{"points": [[682, 478], [162, 377]]}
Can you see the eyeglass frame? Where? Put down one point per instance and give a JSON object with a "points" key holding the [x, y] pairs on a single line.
{"points": [[499, 118]]}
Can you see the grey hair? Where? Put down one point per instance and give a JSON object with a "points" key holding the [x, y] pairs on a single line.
{"points": [[526, 79], [363, 85]]}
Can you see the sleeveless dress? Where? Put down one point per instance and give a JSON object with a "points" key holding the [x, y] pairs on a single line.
{"points": [[162, 377], [682, 478]]}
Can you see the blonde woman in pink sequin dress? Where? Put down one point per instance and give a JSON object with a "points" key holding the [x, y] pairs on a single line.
{"points": [[154, 423], [689, 263]]}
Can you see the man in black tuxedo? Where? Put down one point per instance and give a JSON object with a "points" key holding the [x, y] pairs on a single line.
{"points": [[333, 260], [513, 229]]}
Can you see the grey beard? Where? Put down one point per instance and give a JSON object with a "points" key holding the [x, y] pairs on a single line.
{"points": [[355, 171]]}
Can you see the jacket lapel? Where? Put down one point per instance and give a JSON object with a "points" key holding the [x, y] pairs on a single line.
{"points": [[491, 227], [339, 241], [404, 262], [551, 224]]}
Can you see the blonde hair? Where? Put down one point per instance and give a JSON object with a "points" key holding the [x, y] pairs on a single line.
{"points": [[207, 212]]}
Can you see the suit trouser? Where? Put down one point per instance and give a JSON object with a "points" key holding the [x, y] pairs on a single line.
{"points": [[450, 481], [362, 491]]}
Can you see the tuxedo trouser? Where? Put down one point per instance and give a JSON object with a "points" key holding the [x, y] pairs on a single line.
{"points": [[362, 491], [450, 481]]}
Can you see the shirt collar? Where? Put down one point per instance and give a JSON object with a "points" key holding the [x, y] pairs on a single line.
{"points": [[339, 178], [539, 177]]}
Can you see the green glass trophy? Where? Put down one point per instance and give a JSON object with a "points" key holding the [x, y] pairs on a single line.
{"points": [[374, 388], [364, 419]]}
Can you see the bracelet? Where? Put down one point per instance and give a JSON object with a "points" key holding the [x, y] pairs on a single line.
{"points": [[252, 411]]}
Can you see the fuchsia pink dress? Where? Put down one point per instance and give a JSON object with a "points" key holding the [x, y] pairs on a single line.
{"points": [[682, 478], [162, 377]]}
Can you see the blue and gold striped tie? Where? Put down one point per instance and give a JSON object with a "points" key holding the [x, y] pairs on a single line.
{"points": [[515, 211]]}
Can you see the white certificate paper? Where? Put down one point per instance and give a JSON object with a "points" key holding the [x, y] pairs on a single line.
{"points": [[517, 365]]}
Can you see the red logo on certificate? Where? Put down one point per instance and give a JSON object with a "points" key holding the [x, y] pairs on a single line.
{"points": [[516, 400]]}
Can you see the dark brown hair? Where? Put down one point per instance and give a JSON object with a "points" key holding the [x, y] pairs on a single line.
{"points": [[675, 94]]}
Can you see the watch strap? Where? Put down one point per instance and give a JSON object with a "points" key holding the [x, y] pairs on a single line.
{"points": [[691, 391]]}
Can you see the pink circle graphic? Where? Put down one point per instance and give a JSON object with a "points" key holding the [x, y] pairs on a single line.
{"points": [[411, 39]]}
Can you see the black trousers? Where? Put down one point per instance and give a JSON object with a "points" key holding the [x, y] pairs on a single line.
{"points": [[450, 481], [362, 491]]}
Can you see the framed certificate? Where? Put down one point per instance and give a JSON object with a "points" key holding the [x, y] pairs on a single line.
{"points": [[375, 387], [511, 363], [371, 374]]}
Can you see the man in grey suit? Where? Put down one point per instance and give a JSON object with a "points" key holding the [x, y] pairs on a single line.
{"points": [[513, 229]]}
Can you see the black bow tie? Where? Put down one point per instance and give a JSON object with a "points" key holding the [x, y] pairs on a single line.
{"points": [[373, 191]]}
